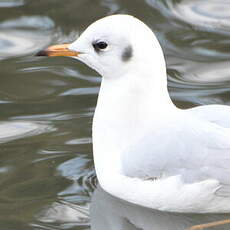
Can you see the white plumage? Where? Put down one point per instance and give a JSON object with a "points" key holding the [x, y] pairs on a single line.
{"points": [[146, 150]]}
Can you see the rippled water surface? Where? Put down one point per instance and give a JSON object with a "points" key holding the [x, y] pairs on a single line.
{"points": [[47, 175]]}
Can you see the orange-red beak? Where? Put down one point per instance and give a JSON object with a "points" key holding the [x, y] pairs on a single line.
{"points": [[58, 50]]}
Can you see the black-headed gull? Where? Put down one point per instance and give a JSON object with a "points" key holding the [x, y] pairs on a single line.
{"points": [[146, 150]]}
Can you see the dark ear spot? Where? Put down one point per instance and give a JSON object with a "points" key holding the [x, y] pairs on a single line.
{"points": [[127, 53]]}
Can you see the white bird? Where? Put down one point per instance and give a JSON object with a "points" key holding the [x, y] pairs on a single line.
{"points": [[146, 150]]}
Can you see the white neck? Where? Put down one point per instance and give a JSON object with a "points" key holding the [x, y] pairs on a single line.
{"points": [[127, 106]]}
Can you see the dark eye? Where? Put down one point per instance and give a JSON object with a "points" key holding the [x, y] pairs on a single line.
{"points": [[100, 45]]}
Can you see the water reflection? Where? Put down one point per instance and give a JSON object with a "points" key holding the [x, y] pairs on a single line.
{"points": [[110, 213], [13, 130], [209, 15], [72, 207], [11, 3], [211, 73], [65, 214], [111, 5], [24, 35]]}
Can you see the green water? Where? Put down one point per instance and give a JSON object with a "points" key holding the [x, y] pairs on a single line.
{"points": [[46, 106]]}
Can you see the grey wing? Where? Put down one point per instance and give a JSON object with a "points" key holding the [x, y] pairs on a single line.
{"points": [[220, 150], [197, 150], [219, 114], [216, 164]]}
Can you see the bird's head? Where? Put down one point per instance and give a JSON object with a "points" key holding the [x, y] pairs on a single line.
{"points": [[112, 46]]}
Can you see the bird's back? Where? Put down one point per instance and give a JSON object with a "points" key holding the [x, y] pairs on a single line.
{"points": [[218, 114]]}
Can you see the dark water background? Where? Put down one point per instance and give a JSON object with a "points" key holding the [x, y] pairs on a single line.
{"points": [[46, 106]]}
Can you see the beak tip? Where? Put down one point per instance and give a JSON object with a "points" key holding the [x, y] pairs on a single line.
{"points": [[41, 53]]}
